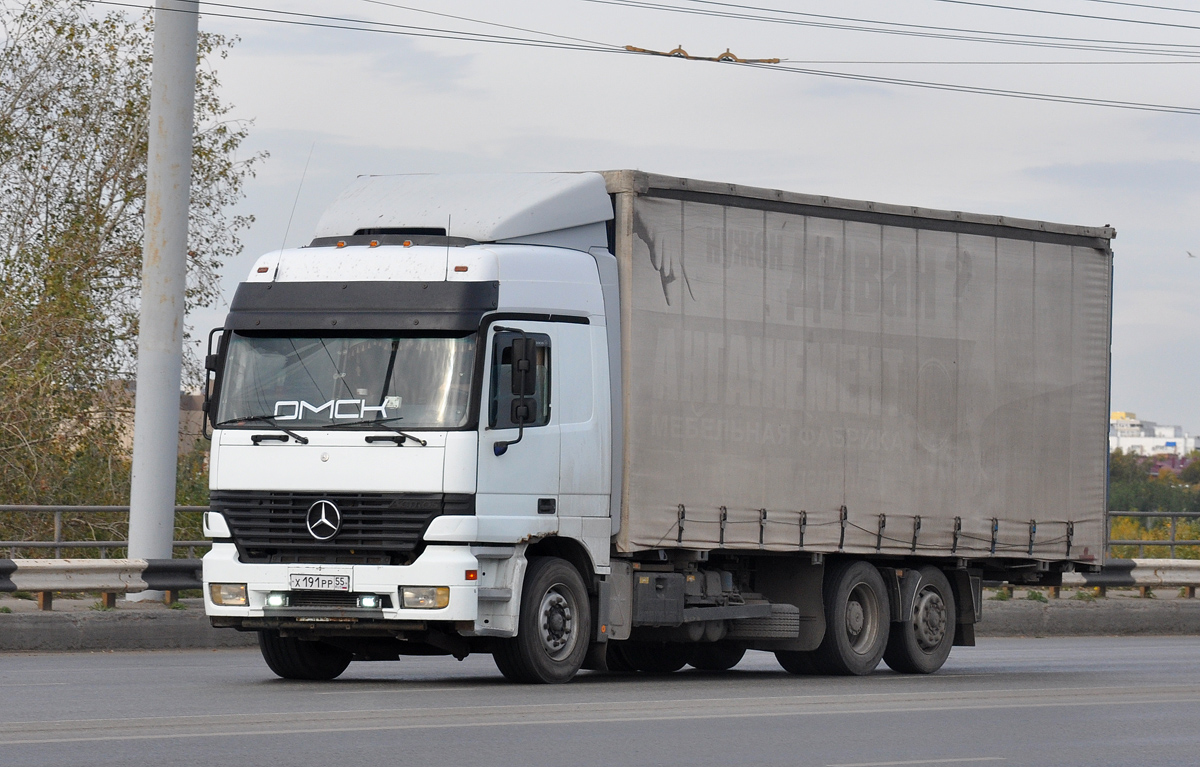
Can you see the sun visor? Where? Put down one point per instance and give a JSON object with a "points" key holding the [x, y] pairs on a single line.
{"points": [[337, 307]]}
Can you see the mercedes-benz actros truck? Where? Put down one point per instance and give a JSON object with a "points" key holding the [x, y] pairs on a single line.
{"points": [[629, 422]]}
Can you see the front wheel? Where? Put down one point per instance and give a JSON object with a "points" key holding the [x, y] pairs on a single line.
{"points": [[554, 627], [921, 643], [293, 658]]}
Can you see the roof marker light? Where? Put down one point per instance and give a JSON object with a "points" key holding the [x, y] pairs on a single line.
{"points": [[407, 243], [374, 244], [341, 243], [264, 269], [460, 268]]}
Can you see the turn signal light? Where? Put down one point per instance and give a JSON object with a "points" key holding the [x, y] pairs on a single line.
{"points": [[460, 268], [227, 594], [472, 575]]}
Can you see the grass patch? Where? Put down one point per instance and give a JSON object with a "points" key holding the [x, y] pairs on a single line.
{"points": [[5, 610], [1001, 595], [22, 595], [1036, 596], [178, 606], [99, 606], [1084, 596]]}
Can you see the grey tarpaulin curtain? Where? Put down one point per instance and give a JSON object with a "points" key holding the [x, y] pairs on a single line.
{"points": [[792, 363]]}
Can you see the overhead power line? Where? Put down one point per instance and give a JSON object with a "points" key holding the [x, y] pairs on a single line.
{"points": [[485, 23], [404, 30], [1145, 5], [1068, 14], [854, 24]]}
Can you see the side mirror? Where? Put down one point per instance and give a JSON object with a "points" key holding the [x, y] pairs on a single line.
{"points": [[524, 368]]}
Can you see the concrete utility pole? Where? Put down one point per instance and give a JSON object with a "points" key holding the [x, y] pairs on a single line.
{"points": [[164, 276]]}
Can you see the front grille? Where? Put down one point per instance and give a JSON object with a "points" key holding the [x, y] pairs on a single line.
{"points": [[377, 528]]}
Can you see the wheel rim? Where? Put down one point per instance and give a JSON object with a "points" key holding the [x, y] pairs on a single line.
{"points": [[556, 619], [862, 619], [929, 619]]}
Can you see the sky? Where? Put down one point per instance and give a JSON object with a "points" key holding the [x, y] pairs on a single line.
{"points": [[331, 104]]}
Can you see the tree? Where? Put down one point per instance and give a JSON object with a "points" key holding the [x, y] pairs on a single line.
{"points": [[74, 115]]}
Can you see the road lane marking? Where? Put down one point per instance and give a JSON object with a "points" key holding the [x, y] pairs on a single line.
{"points": [[33, 684], [584, 717], [924, 761]]}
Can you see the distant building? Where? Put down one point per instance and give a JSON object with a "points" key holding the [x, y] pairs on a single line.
{"points": [[1141, 437]]}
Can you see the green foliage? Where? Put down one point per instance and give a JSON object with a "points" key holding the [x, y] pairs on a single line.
{"points": [[74, 127], [1001, 595], [6, 610], [22, 595], [178, 606], [1033, 595], [1084, 596], [1191, 473], [99, 606]]}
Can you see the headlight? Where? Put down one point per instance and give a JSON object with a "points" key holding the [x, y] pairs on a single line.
{"points": [[425, 597], [228, 594]]}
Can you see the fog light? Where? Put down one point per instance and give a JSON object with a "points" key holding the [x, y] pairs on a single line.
{"points": [[227, 594], [277, 600], [426, 597], [369, 600]]}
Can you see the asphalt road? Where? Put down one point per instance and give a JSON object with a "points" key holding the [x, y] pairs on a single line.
{"points": [[1086, 701]]}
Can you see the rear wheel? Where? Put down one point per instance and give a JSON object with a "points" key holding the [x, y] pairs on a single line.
{"points": [[554, 627], [293, 658], [716, 656], [857, 620], [921, 644]]}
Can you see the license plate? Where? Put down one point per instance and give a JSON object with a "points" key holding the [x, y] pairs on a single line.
{"points": [[314, 582]]}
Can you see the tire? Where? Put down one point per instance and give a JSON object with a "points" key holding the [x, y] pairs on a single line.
{"points": [[921, 644], [857, 620], [293, 658], [796, 662], [655, 657], [554, 627], [716, 656]]}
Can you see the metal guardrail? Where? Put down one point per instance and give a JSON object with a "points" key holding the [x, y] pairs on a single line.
{"points": [[1172, 528], [109, 577], [58, 544]]}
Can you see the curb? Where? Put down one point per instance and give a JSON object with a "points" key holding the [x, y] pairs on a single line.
{"points": [[81, 631], [1114, 616], [118, 630]]}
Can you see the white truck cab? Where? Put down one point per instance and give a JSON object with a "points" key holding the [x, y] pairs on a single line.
{"points": [[398, 413]]}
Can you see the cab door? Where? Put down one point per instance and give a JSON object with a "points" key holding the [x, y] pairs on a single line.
{"points": [[518, 434]]}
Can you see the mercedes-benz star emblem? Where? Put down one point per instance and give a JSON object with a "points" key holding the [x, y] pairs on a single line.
{"points": [[324, 520]]}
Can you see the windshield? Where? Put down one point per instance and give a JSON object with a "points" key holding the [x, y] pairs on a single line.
{"points": [[305, 381]]}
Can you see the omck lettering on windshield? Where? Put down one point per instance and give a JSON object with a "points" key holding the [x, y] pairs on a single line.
{"points": [[348, 409]]}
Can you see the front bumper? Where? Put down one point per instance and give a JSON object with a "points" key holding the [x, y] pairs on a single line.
{"points": [[437, 566]]}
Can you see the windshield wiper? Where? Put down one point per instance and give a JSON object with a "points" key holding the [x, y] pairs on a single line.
{"points": [[270, 421], [381, 422]]}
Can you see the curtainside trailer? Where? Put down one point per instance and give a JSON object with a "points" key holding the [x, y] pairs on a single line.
{"points": [[629, 422]]}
